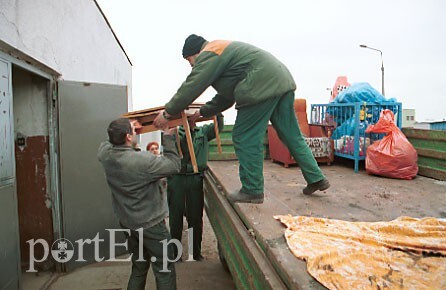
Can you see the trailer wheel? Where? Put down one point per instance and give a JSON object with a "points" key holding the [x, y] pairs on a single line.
{"points": [[222, 258]]}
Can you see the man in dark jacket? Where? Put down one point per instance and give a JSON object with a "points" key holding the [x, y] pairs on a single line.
{"points": [[263, 90], [185, 190], [139, 200]]}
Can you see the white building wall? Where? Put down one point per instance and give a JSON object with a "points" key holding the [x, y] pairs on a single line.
{"points": [[409, 118], [30, 104], [423, 126], [71, 37]]}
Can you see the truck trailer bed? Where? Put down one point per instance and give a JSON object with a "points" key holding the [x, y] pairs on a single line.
{"points": [[251, 241]]}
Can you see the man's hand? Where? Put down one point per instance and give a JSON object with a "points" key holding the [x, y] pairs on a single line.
{"points": [[161, 120], [192, 119], [136, 124], [170, 131]]}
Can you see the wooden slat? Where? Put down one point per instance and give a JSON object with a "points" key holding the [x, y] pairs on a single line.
{"points": [[151, 127], [147, 116], [145, 120], [190, 144], [145, 111], [217, 135], [156, 110]]}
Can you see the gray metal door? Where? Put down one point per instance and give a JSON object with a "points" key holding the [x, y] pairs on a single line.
{"points": [[85, 110], [9, 226]]}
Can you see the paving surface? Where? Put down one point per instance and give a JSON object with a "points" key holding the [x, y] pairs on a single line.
{"points": [[205, 275]]}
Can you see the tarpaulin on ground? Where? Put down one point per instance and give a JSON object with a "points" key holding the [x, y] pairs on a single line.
{"points": [[405, 253]]}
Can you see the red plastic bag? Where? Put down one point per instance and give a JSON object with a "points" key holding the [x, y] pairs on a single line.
{"points": [[392, 156]]}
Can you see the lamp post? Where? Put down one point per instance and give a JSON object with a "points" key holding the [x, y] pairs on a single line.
{"points": [[382, 65]]}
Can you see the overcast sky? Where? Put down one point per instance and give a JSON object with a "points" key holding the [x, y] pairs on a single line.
{"points": [[316, 40]]}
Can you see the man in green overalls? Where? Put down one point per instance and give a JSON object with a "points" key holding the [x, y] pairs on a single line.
{"points": [[185, 190], [263, 90]]}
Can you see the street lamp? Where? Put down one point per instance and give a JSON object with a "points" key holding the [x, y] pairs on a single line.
{"points": [[382, 65]]}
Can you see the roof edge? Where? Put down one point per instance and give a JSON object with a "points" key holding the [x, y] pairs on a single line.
{"points": [[114, 34]]}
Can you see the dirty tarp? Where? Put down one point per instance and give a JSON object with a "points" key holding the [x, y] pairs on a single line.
{"points": [[405, 253]]}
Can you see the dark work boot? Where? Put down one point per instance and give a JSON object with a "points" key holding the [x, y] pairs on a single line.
{"points": [[320, 185], [198, 258], [242, 197]]}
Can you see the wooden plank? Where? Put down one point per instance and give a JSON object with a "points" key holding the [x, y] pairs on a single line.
{"points": [[151, 127], [156, 110], [431, 172], [431, 153], [436, 135], [217, 134], [190, 144], [146, 120], [144, 111]]}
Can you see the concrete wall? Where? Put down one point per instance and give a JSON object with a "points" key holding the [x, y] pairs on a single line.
{"points": [[30, 103], [70, 37], [422, 126]]}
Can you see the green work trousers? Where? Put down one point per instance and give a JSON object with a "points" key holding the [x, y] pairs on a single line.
{"points": [[248, 135], [185, 197], [154, 253]]}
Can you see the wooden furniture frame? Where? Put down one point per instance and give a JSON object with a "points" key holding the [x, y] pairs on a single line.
{"points": [[147, 116]]}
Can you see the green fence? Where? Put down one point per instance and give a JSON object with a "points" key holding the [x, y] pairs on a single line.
{"points": [[227, 146], [431, 149]]}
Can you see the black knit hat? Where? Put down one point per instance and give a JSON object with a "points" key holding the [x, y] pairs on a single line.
{"points": [[192, 45]]}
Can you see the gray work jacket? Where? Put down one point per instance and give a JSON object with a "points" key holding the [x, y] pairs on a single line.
{"points": [[139, 199]]}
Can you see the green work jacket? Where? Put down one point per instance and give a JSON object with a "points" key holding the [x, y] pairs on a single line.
{"points": [[240, 73], [201, 136]]}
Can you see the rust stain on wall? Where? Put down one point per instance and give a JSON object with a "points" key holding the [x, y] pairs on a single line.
{"points": [[35, 217]]}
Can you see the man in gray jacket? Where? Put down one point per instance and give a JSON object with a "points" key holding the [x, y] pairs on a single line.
{"points": [[139, 200]]}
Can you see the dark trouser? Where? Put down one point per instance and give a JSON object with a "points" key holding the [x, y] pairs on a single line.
{"points": [[185, 195], [152, 249], [248, 135]]}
